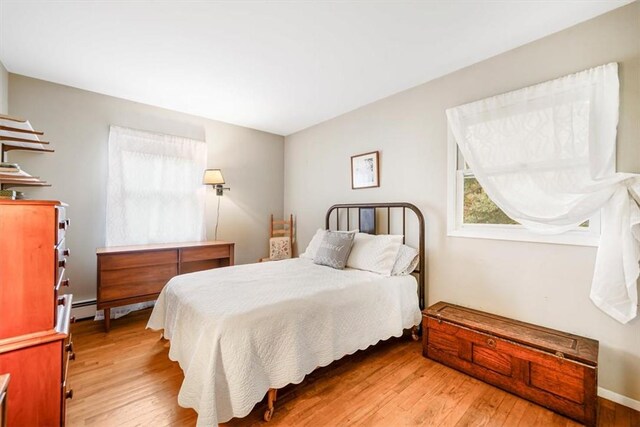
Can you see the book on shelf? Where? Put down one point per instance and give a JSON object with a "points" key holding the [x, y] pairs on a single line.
{"points": [[11, 194], [9, 167]]}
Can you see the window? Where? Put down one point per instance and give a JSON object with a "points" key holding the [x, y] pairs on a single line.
{"points": [[154, 190], [472, 213]]}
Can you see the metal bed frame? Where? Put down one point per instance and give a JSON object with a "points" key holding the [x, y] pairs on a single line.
{"points": [[367, 223]]}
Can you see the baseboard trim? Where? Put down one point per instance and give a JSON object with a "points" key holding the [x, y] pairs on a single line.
{"points": [[618, 398]]}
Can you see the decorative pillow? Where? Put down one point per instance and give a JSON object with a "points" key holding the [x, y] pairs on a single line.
{"points": [[334, 249], [314, 244], [279, 248], [374, 253], [406, 261]]}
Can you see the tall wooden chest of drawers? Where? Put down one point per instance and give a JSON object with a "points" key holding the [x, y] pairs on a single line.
{"points": [[132, 274], [35, 344], [552, 368]]}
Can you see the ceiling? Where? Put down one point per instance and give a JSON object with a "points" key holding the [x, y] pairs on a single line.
{"points": [[278, 66]]}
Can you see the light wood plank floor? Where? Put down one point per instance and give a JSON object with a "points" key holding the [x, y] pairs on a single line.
{"points": [[125, 378]]}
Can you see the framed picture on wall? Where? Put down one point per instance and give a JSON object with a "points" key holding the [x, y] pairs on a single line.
{"points": [[364, 170]]}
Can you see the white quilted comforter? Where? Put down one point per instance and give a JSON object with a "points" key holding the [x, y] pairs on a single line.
{"points": [[238, 331]]}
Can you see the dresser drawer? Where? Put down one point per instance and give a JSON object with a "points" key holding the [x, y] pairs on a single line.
{"points": [[134, 282], [61, 255], [204, 253], [62, 223], [66, 392], [139, 259], [63, 281]]}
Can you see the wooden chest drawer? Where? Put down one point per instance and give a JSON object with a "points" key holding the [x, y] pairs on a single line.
{"points": [[62, 223], [551, 368], [204, 253], [134, 282], [62, 252], [138, 259]]}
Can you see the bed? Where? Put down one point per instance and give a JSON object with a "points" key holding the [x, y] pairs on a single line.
{"points": [[241, 332]]}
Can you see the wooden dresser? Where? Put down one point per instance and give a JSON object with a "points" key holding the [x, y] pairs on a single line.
{"points": [[551, 368], [35, 345], [132, 274]]}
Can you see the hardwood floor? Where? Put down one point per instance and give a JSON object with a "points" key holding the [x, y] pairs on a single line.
{"points": [[125, 378]]}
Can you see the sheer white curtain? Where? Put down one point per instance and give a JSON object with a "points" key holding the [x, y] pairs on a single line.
{"points": [[545, 155], [154, 191]]}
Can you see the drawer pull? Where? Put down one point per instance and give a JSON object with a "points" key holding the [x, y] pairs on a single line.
{"points": [[491, 343], [72, 356], [62, 263], [66, 252], [73, 319], [65, 282], [62, 301], [560, 354], [68, 394], [69, 347]]}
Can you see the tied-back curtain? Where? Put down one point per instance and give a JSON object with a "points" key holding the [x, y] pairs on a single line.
{"points": [[545, 155], [154, 191]]}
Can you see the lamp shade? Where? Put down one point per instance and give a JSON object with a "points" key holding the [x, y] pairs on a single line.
{"points": [[213, 177]]}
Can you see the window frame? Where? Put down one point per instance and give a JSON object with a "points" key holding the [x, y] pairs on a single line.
{"points": [[581, 236]]}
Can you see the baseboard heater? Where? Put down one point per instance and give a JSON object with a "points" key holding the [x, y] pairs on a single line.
{"points": [[83, 303], [83, 309]]}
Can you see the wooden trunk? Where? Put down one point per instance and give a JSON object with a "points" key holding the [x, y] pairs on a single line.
{"points": [[551, 368], [35, 344]]}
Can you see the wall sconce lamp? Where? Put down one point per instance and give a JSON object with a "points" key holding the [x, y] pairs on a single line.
{"points": [[214, 178]]}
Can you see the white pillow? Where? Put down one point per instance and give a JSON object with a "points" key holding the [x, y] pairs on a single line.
{"points": [[313, 245], [316, 240], [406, 261], [374, 253]]}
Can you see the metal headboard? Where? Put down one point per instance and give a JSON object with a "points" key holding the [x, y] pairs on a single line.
{"points": [[367, 224]]}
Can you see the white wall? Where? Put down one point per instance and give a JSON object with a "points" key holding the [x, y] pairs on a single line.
{"points": [[540, 283], [4, 90], [77, 124]]}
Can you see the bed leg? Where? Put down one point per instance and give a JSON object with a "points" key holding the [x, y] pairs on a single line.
{"points": [[272, 395], [415, 333]]}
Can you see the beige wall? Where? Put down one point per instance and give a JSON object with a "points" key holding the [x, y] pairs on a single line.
{"points": [[77, 124], [540, 283], [4, 90]]}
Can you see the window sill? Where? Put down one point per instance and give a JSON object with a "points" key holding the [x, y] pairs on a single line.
{"points": [[577, 238]]}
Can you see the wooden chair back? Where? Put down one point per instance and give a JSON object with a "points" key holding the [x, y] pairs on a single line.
{"points": [[282, 228]]}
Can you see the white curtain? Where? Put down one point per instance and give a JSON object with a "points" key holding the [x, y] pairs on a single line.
{"points": [[154, 191], [545, 155]]}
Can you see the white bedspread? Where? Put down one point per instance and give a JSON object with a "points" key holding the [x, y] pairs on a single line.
{"points": [[238, 331]]}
